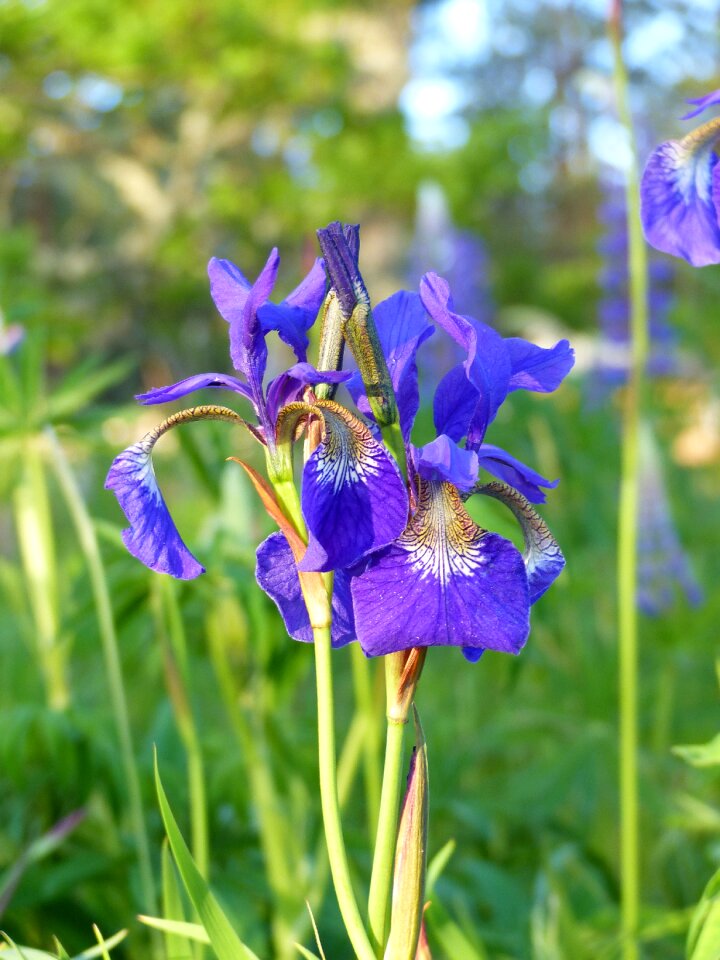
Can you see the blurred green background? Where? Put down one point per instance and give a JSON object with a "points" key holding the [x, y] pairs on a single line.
{"points": [[137, 140]]}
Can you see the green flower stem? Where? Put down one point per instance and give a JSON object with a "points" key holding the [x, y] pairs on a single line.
{"points": [[628, 524], [350, 755], [393, 438], [329, 797], [367, 709], [108, 638], [386, 837]]}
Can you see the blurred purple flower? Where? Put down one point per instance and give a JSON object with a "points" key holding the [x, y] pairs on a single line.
{"points": [[11, 337], [680, 190], [664, 566]]}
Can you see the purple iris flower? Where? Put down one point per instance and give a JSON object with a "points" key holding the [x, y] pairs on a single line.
{"points": [[444, 580], [680, 192], [344, 513]]}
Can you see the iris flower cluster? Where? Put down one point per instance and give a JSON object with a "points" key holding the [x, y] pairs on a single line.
{"points": [[387, 516]]}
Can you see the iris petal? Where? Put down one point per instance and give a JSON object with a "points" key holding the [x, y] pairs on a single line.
{"points": [[444, 581], [487, 366], [702, 103], [296, 314], [277, 575], [678, 206], [539, 369], [454, 403], [353, 497], [514, 472], [200, 381], [443, 459], [289, 386], [152, 536], [239, 304], [542, 555]]}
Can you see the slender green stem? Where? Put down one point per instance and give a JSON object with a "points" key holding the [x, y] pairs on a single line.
{"points": [[367, 708], [108, 638], [329, 798], [386, 837], [628, 525]]}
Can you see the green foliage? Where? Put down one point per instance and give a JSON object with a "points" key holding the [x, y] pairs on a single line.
{"points": [[242, 125], [224, 940]]}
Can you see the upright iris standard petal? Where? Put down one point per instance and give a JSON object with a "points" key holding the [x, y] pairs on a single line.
{"points": [[443, 459], [454, 403], [152, 536], [353, 496], [539, 369], [402, 326], [514, 472], [296, 314], [200, 381], [239, 305], [277, 575], [542, 555], [443, 582], [487, 366], [679, 207]]}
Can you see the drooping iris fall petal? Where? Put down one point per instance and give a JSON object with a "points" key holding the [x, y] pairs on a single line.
{"points": [[152, 536], [443, 582], [543, 558], [353, 496], [277, 575]]}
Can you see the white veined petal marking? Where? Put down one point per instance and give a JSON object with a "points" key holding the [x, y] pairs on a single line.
{"points": [[442, 539], [347, 454]]}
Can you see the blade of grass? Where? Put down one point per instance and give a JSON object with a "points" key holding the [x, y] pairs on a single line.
{"points": [[223, 938], [177, 930]]}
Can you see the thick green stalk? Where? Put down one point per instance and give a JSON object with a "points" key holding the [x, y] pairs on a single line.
{"points": [[386, 837], [329, 797], [367, 709], [628, 524], [113, 670]]}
